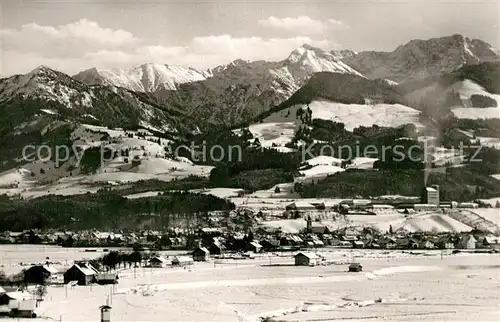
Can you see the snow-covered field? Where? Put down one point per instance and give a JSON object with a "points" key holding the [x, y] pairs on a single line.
{"points": [[355, 115], [257, 202], [352, 115], [320, 167], [489, 141], [362, 163], [442, 156], [491, 201], [393, 286], [476, 113], [12, 255], [272, 135], [219, 192]]}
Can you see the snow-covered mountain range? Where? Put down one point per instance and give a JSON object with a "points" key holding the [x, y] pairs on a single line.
{"points": [[242, 89], [423, 58], [288, 75], [23, 98], [235, 92], [144, 78]]}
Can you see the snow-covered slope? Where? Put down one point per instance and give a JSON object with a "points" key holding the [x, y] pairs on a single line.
{"points": [[135, 155], [144, 78], [353, 115], [465, 89], [415, 223], [271, 135]]}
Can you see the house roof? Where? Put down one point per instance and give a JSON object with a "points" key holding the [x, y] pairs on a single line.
{"points": [[50, 269], [492, 239], [296, 238], [307, 254], [158, 259], [430, 189], [301, 204], [2, 291], [183, 259], [203, 249], [468, 237], [20, 296], [382, 206], [256, 244], [210, 230], [86, 269]]}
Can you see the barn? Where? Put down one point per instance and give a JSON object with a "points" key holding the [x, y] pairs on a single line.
{"points": [[83, 273], [201, 254], [306, 259]]}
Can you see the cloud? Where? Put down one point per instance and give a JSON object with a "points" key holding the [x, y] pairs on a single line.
{"points": [[65, 41], [81, 30], [84, 44], [302, 25]]}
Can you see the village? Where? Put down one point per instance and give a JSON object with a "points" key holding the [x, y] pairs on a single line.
{"points": [[238, 235]]}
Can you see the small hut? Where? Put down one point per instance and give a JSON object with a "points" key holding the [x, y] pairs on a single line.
{"points": [[355, 267], [182, 261], [201, 254]]}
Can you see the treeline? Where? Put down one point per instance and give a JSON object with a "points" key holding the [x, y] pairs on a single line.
{"points": [[258, 169], [239, 161], [104, 210], [482, 127], [484, 161], [482, 101], [457, 184], [183, 184]]}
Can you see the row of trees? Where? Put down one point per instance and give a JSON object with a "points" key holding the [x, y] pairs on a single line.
{"points": [[103, 210], [115, 259]]}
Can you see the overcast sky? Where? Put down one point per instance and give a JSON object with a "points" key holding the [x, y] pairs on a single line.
{"points": [[74, 35]]}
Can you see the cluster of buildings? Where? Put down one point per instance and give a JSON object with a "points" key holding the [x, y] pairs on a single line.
{"points": [[79, 273], [429, 201], [16, 303], [19, 298]]}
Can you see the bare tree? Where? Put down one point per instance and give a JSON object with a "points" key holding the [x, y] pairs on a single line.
{"points": [[40, 293]]}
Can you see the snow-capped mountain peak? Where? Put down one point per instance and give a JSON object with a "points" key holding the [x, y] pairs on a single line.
{"points": [[48, 84], [312, 59], [423, 58], [144, 78]]}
